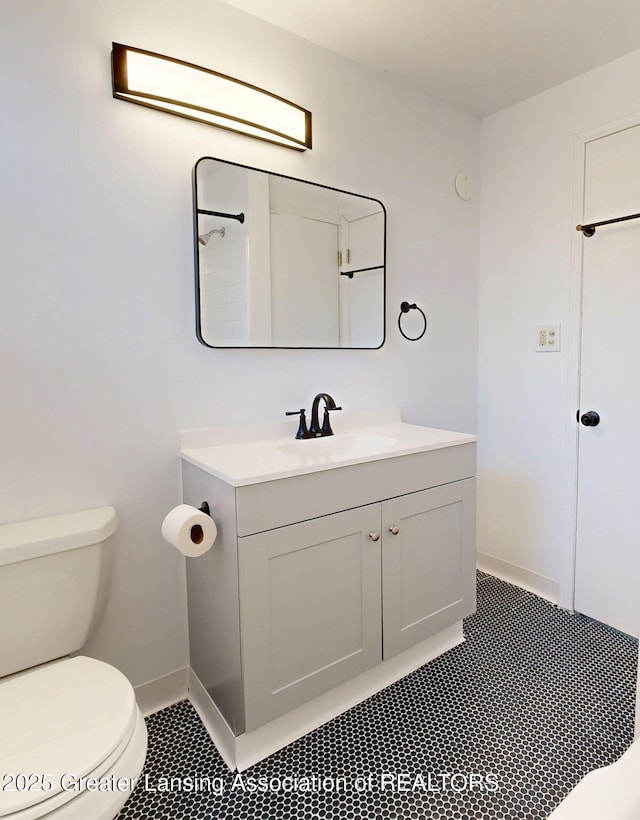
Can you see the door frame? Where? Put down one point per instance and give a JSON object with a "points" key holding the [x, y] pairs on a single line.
{"points": [[566, 587]]}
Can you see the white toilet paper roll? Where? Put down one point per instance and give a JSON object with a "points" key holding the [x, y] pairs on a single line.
{"points": [[189, 530]]}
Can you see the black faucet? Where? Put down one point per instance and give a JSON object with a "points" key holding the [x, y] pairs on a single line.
{"points": [[315, 431], [329, 404]]}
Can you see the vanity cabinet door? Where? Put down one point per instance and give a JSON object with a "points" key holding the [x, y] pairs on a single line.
{"points": [[310, 609], [428, 563]]}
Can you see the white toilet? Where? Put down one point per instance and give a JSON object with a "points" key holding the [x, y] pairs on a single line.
{"points": [[72, 739], [609, 793]]}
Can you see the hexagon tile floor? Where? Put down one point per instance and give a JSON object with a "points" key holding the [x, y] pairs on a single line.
{"points": [[502, 726]]}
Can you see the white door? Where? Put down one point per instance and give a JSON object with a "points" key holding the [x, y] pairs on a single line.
{"points": [[607, 584], [364, 292], [306, 276]]}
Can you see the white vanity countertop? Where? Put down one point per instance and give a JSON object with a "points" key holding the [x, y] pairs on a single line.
{"points": [[239, 457]]}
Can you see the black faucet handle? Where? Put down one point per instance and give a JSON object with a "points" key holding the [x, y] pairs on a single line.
{"points": [[326, 423], [302, 427]]}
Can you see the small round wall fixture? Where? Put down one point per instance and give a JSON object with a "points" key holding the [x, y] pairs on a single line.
{"points": [[464, 186], [405, 307]]}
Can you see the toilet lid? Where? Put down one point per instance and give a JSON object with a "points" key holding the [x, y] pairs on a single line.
{"points": [[58, 723]]}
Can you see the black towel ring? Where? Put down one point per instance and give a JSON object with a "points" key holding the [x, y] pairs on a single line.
{"points": [[405, 307]]}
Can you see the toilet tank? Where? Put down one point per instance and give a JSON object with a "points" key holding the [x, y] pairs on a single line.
{"points": [[50, 571]]}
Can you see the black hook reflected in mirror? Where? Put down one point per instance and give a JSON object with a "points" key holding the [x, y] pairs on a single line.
{"points": [[405, 307]]}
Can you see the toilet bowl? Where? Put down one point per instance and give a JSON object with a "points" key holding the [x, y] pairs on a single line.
{"points": [[72, 739], [609, 793]]}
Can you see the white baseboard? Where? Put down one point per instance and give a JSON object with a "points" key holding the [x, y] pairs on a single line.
{"points": [[162, 692], [533, 582], [217, 727], [251, 747]]}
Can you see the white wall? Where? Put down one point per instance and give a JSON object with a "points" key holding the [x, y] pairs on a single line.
{"points": [[528, 276], [100, 365]]}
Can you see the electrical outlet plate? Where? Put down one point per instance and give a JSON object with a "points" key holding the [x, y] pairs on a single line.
{"points": [[547, 338]]}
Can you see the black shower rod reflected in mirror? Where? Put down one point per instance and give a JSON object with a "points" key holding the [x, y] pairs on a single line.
{"points": [[238, 217]]}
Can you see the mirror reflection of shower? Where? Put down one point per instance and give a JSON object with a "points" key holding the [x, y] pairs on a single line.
{"points": [[207, 236]]}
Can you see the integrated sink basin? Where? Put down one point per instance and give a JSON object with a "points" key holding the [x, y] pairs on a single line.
{"points": [[339, 445], [250, 455]]}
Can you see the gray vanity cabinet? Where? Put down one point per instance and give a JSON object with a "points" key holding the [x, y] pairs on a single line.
{"points": [[309, 609], [317, 578], [324, 600]]}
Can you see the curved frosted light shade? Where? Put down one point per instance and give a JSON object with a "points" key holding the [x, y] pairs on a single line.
{"points": [[197, 93]]}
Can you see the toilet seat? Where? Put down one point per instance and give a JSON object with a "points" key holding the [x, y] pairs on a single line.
{"points": [[68, 720]]}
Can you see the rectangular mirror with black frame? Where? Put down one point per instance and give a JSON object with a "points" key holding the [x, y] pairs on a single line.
{"points": [[281, 262]]}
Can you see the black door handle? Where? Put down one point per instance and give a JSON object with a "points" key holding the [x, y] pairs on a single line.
{"points": [[590, 419]]}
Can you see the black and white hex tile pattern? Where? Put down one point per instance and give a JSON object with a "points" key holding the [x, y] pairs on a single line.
{"points": [[502, 726]]}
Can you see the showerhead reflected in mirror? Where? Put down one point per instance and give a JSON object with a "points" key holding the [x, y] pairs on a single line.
{"points": [[207, 236], [285, 263]]}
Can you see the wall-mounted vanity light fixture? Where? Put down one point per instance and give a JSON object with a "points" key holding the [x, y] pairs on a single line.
{"points": [[200, 94]]}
